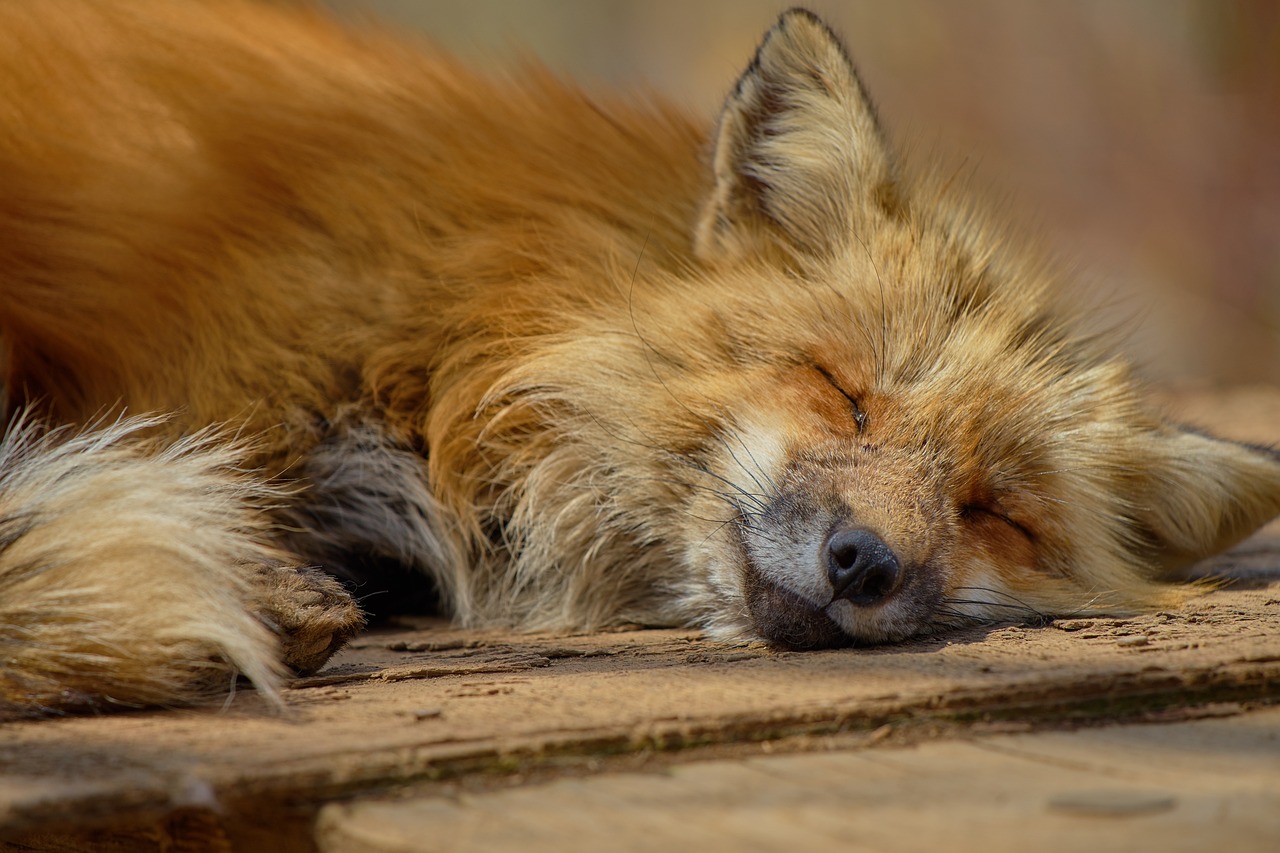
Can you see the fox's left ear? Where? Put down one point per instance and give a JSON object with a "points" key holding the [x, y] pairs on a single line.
{"points": [[1203, 494], [798, 150]]}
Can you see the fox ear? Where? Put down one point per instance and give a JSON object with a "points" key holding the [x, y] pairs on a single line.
{"points": [[1204, 494], [798, 150]]}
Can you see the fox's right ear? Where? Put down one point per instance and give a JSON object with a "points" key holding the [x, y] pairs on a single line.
{"points": [[798, 150]]}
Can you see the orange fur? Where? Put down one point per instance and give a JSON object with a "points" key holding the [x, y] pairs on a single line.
{"points": [[578, 359]]}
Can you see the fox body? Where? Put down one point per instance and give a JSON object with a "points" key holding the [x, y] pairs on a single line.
{"points": [[277, 294]]}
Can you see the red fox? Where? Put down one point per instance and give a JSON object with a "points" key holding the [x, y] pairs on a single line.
{"points": [[295, 313]]}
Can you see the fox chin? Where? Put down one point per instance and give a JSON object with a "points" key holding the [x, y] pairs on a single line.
{"points": [[294, 311]]}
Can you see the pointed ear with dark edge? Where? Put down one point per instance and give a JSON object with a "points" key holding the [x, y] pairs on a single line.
{"points": [[798, 150], [1205, 494]]}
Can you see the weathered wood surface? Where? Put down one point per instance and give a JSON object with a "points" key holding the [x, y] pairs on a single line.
{"points": [[1196, 786]]}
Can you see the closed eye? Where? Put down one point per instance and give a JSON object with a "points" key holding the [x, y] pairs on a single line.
{"points": [[859, 416], [977, 512]]}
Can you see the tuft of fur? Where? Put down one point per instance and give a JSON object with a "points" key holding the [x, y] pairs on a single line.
{"points": [[567, 359], [125, 568], [135, 572]]}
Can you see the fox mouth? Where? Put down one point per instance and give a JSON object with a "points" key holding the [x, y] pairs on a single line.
{"points": [[784, 618]]}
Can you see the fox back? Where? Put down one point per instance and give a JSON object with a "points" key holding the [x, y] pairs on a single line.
{"points": [[564, 360]]}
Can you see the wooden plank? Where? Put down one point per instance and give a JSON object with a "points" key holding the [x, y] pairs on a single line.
{"points": [[1206, 785]]}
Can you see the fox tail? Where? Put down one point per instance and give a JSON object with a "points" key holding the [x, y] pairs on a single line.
{"points": [[128, 570]]}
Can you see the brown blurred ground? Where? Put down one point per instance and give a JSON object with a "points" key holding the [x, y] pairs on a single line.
{"points": [[1144, 134]]}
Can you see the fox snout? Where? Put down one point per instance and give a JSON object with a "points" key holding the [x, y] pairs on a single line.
{"points": [[864, 573], [854, 546], [834, 589]]}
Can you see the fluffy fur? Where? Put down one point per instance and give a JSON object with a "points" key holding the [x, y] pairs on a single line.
{"points": [[135, 574], [570, 360]]}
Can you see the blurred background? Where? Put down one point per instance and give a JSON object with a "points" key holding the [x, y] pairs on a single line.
{"points": [[1144, 135]]}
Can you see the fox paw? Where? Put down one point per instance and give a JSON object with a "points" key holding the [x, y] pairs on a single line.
{"points": [[313, 615]]}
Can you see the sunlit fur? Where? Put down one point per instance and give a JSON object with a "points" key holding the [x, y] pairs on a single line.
{"points": [[578, 358], [134, 573], [119, 570]]}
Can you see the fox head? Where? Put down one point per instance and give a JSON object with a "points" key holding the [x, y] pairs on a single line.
{"points": [[905, 429], [853, 411]]}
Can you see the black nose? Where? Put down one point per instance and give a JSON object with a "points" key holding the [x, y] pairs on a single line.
{"points": [[861, 567]]}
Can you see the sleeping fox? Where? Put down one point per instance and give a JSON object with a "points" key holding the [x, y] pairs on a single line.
{"points": [[294, 313]]}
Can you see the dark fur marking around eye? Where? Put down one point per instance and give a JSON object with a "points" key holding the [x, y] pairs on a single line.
{"points": [[859, 416]]}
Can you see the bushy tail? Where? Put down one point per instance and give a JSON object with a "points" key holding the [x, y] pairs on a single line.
{"points": [[126, 570]]}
